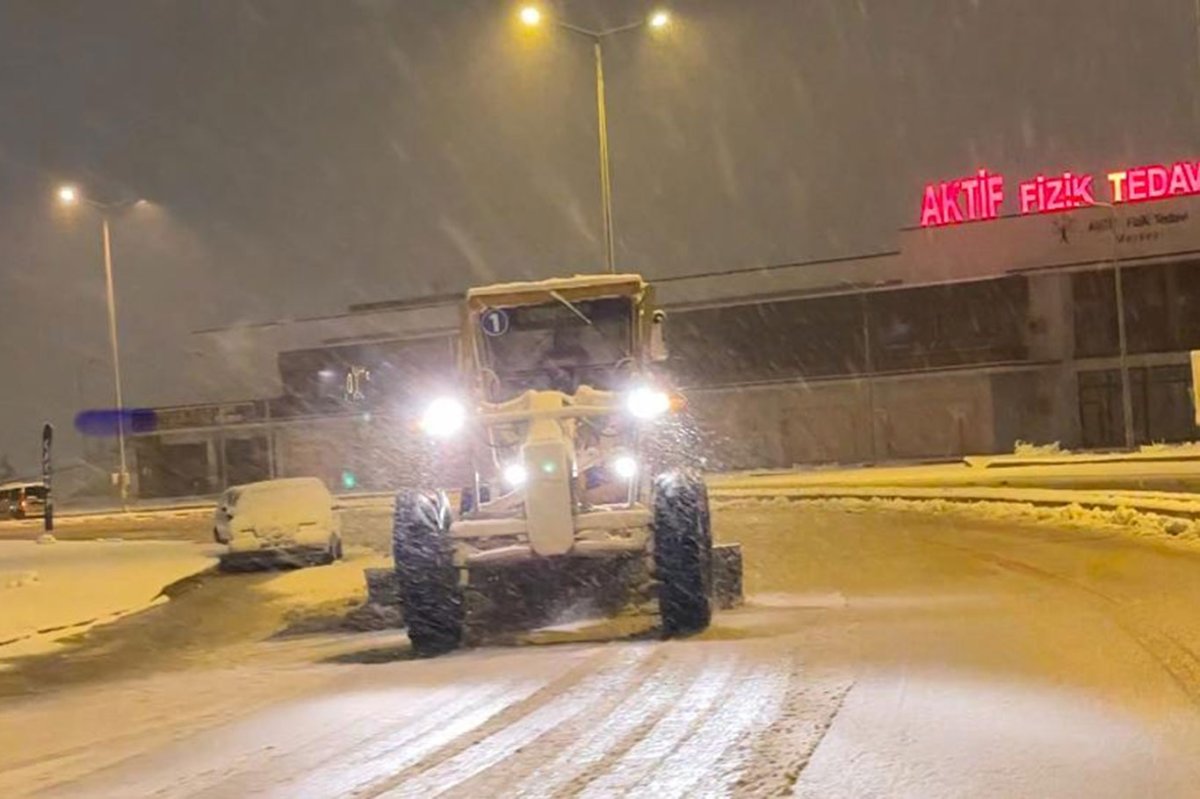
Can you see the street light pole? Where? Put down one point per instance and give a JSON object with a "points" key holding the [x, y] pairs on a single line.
{"points": [[70, 195], [531, 16], [116, 360], [605, 174]]}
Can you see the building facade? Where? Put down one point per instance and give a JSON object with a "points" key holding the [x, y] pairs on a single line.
{"points": [[1072, 327]]}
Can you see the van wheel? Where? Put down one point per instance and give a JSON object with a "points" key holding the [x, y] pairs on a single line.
{"points": [[330, 554], [426, 577], [682, 553]]}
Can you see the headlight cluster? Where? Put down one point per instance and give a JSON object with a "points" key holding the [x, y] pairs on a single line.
{"points": [[625, 466], [444, 417], [647, 403], [515, 474]]}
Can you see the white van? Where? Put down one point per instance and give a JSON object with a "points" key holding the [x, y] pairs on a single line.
{"points": [[291, 518]]}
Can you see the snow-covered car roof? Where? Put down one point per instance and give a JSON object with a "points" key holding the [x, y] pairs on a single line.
{"points": [[20, 484], [592, 285], [278, 484]]}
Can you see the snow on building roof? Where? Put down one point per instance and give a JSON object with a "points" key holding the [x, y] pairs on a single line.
{"points": [[555, 284]]}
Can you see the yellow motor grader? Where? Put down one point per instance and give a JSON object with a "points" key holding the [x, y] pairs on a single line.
{"points": [[558, 397]]}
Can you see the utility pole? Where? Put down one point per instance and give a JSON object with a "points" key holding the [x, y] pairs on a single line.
{"points": [[68, 196], [531, 16]]}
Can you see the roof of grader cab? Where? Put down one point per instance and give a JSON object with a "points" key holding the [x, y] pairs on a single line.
{"points": [[538, 291]]}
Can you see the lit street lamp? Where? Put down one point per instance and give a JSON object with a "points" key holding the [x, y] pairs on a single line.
{"points": [[69, 195], [531, 16]]}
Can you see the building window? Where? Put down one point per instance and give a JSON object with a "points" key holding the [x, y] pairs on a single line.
{"points": [[921, 328], [1161, 400], [953, 325], [1162, 310], [783, 340], [1095, 308], [367, 375]]}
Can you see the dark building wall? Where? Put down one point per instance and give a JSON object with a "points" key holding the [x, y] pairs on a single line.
{"points": [[365, 376], [1030, 406], [897, 374]]}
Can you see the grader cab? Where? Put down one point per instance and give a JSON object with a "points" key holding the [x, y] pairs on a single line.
{"points": [[559, 393]]}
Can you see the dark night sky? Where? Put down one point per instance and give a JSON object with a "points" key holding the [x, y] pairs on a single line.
{"points": [[302, 154]]}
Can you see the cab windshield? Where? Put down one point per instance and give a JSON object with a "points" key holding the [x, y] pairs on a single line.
{"points": [[556, 345]]}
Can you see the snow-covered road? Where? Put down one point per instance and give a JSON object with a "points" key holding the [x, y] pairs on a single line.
{"points": [[889, 655]]}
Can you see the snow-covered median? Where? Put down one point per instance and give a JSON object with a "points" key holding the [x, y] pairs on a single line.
{"points": [[55, 590], [1174, 469], [1070, 515]]}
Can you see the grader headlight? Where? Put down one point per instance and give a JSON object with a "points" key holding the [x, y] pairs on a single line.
{"points": [[647, 403], [443, 418], [515, 474], [625, 467]]}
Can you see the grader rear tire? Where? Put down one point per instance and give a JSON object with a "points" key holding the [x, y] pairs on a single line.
{"points": [[427, 579]]}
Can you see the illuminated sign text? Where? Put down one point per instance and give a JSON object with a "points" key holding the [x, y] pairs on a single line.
{"points": [[980, 196]]}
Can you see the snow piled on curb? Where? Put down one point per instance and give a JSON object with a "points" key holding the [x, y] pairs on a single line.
{"points": [[49, 593], [1072, 516]]}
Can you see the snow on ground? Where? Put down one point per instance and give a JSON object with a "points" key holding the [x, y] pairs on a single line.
{"points": [[54, 590], [880, 654], [1173, 469], [193, 524], [327, 592], [1069, 515]]}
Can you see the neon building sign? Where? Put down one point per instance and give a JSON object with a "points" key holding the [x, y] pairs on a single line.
{"points": [[980, 196]]}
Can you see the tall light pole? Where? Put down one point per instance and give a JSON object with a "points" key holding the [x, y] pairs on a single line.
{"points": [[531, 16], [70, 195]]}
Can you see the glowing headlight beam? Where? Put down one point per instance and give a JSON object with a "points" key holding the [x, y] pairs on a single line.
{"points": [[625, 466], [647, 403], [515, 474], [444, 417]]}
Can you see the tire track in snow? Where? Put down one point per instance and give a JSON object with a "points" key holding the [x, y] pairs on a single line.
{"points": [[350, 759], [510, 732], [755, 703], [234, 762], [782, 751], [368, 738], [335, 720], [588, 740], [666, 734]]}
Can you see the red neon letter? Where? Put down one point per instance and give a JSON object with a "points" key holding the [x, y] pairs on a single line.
{"points": [[1193, 172], [995, 195], [1055, 201], [1180, 184], [1136, 187], [950, 210], [1117, 179], [1081, 191], [931, 214], [969, 187], [1028, 193], [1157, 177]]}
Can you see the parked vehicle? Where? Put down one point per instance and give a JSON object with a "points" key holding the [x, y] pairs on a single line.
{"points": [[287, 521], [23, 500]]}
